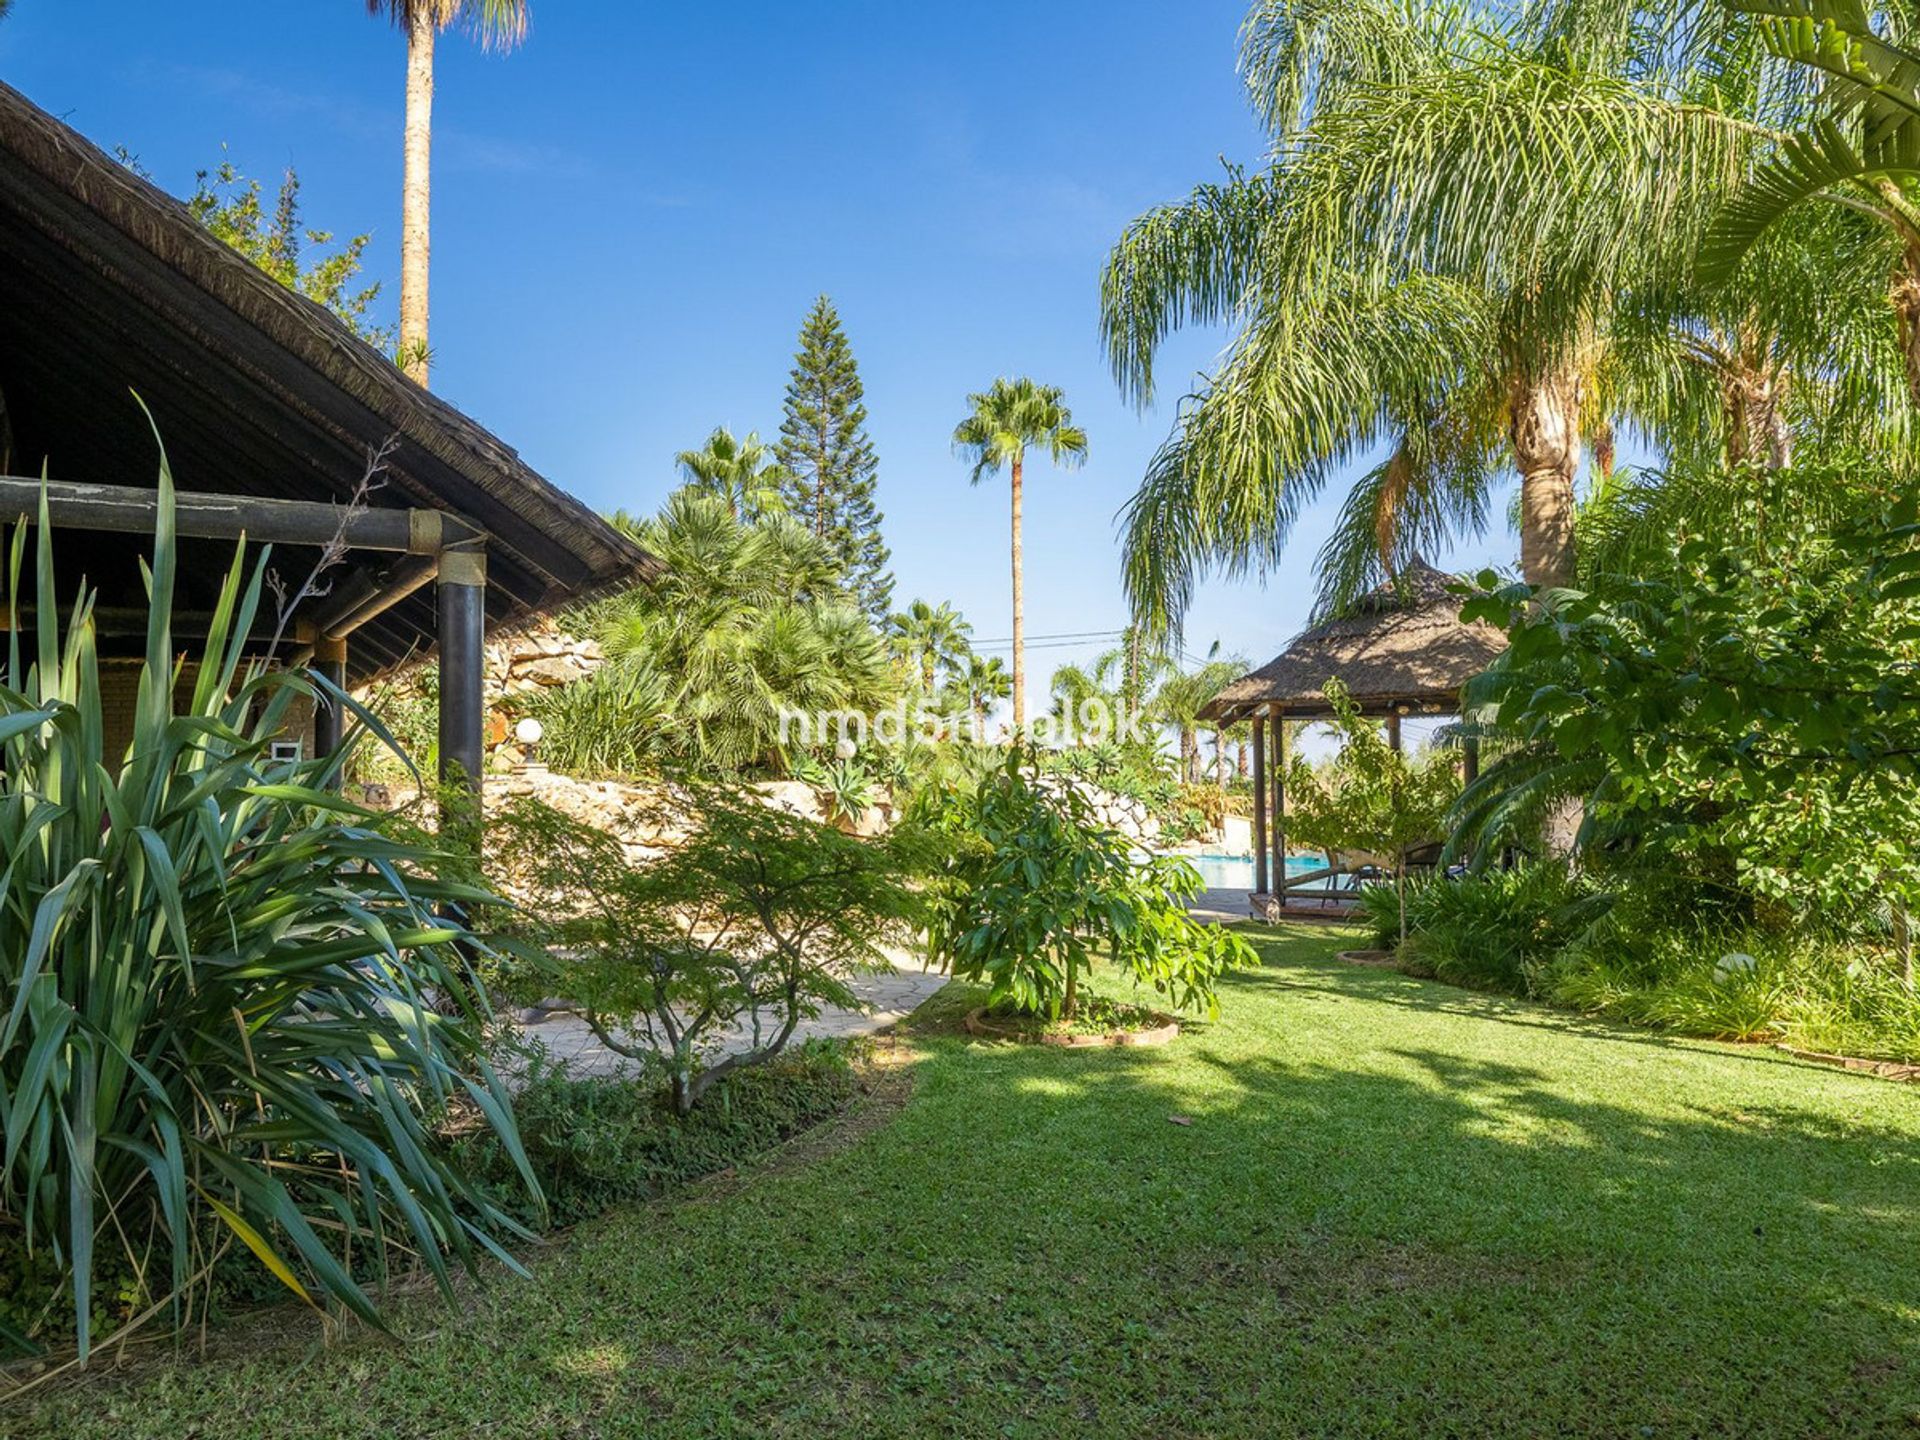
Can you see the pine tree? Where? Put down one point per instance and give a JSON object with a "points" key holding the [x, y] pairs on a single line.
{"points": [[829, 460]]}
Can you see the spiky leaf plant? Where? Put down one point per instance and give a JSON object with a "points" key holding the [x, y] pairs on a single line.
{"points": [[228, 1010]]}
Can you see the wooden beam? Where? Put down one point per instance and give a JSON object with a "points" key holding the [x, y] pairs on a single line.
{"points": [[361, 596], [1279, 863], [132, 509], [1260, 806]]}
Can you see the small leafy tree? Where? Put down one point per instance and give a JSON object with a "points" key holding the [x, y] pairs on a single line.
{"points": [[1369, 796], [1032, 889], [750, 920], [233, 207]]}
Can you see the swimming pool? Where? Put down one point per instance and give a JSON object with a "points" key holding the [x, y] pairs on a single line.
{"points": [[1235, 872]]}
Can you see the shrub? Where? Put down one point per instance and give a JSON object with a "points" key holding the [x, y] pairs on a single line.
{"points": [[233, 1013], [1741, 983], [1740, 704], [1494, 931], [601, 1141], [615, 722], [1032, 888], [752, 918]]}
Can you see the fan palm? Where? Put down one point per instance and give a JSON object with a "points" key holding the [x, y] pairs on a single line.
{"points": [[741, 473], [748, 622], [497, 24], [1001, 424], [931, 639]]}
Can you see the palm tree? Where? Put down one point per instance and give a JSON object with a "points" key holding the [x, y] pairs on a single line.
{"points": [[1462, 225], [932, 639], [983, 681], [498, 24], [741, 473], [1003, 421], [1862, 150], [1184, 694], [747, 622], [1072, 686]]}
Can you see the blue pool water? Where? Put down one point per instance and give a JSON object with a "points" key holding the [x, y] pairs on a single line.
{"points": [[1235, 872]]}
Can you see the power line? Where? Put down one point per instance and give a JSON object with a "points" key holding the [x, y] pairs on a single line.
{"points": [[1042, 645], [1064, 634]]}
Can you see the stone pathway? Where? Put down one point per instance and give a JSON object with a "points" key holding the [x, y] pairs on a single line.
{"points": [[890, 996]]}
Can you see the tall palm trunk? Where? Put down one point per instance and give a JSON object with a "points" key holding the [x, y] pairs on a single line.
{"points": [[1544, 422], [1019, 611], [417, 192]]}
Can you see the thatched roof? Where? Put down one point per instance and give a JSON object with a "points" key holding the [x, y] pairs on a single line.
{"points": [[1404, 644], [108, 285]]}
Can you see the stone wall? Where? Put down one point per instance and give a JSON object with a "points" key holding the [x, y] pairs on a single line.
{"points": [[639, 813], [526, 664], [1130, 817]]}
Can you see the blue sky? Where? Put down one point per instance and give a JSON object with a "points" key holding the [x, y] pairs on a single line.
{"points": [[633, 212]]}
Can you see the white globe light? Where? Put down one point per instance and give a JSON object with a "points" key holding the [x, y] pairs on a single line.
{"points": [[529, 731]]}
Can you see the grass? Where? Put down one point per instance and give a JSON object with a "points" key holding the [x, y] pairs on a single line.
{"points": [[1400, 1209]]}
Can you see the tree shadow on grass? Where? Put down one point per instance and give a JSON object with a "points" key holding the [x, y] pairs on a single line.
{"points": [[1546, 1245], [1371, 1225]]}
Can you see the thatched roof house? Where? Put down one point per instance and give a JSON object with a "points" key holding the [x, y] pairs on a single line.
{"points": [[1402, 649], [268, 407]]}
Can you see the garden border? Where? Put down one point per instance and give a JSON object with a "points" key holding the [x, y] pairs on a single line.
{"points": [[1161, 1034]]}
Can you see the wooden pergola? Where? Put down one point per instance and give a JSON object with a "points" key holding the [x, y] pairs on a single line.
{"points": [[1402, 650], [269, 408]]}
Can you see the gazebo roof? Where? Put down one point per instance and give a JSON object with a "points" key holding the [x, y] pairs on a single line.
{"points": [[1402, 644]]}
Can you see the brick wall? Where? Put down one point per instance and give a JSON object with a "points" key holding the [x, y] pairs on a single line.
{"points": [[120, 694]]}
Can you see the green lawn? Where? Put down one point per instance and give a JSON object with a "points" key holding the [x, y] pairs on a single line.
{"points": [[1401, 1209]]}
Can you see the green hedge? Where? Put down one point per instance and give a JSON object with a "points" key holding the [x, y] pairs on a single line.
{"points": [[601, 1141]]}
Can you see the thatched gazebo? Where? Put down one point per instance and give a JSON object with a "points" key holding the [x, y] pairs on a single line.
{"points": [[1402, 650]]}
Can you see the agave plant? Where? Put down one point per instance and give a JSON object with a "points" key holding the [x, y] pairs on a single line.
{"points": [[230, 1012], [849, 786]]}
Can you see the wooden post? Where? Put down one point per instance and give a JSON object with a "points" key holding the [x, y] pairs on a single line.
{"points": [[329, 718], [1260, 804], [1393, 730], [463, 625], [1279, 863], [1470, 759]]}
